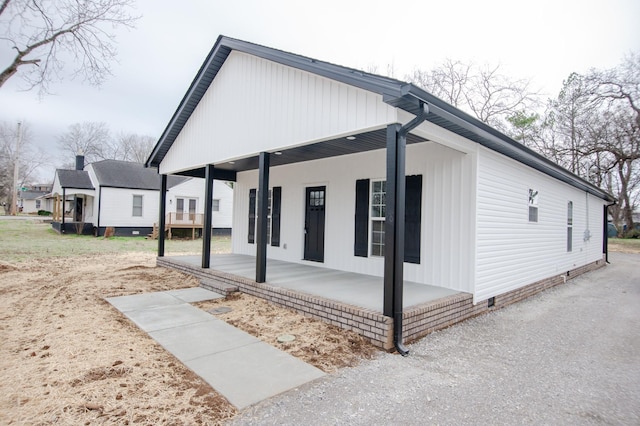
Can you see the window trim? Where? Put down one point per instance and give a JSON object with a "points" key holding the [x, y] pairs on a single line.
{"points": [[133, 205], [376, 220], [533, 206], [215, 205]]}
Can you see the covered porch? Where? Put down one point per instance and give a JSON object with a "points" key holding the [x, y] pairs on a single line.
{"points": [[348, 300]]}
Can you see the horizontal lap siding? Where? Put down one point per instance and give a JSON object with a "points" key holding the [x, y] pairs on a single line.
{"points": [[511, 251], [116, 207], [256, 105]]}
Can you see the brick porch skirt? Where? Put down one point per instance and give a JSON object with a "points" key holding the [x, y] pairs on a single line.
{"points": [[418, 320]]}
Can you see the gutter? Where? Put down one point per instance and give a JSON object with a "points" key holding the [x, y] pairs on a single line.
{"points": [[398, 284]]}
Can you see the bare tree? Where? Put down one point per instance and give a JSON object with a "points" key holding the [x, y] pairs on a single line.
{"points": [[47, 35], [93, 140], [620, 84], [568, 118], [449, 81], [483, 92], [593, 129], [136, 147], [29, 158]]}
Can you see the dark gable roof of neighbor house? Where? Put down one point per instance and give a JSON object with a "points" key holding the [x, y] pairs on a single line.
{"points": [[126, 174], [78, 179], [396, 93], [31, 195]]}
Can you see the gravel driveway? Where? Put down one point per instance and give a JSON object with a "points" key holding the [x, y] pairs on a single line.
{"points": [[570, 355]]}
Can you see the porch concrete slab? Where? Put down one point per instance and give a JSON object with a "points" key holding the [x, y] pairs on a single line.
{"points": [[143, 301], [252, 373], [169, 316], [191, 341], [194, 294], [365, 291]]}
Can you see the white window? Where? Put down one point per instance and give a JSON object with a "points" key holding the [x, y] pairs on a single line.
{"points": [[378, 215], [37, 204], [216, 205], [137, 205], [533, 205], [570, 226]]}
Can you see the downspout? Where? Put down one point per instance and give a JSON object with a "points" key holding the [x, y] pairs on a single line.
{"points": [[398, 285], [605, 242]]}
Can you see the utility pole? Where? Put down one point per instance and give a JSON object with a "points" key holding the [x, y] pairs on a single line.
{"points": [[16, 167]]}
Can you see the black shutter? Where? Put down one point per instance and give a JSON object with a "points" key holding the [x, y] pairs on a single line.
{"points": [[361, 246], [276, 196], [252, 216], [412, 219]]}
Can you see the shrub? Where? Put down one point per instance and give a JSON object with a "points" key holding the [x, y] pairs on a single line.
{"points": [[634, 233], [44, 213]]}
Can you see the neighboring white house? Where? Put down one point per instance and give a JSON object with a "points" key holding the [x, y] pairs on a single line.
{"points": [[30, 201], [125, 196], [483, 214]]}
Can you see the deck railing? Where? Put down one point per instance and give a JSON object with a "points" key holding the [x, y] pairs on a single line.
{"points": [[186, 219]]}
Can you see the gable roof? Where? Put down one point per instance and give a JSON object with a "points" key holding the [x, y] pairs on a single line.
{"points": [[396, 93], [126, 174], [78, 179], [31, 195]]}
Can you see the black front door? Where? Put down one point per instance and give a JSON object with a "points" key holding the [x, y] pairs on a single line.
{"points": [[314, 224], [78, 211]]}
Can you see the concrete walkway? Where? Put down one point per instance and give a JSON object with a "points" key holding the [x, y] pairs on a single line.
{"points": [[240, 367]]}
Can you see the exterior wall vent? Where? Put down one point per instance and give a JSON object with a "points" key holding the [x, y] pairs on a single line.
{"points": [[491, 302]]}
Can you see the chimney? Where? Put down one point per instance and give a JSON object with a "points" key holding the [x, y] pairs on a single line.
{"points": [[79, 162]]}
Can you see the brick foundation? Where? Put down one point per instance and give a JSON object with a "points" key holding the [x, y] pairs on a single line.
{"points": [[418, 321]]}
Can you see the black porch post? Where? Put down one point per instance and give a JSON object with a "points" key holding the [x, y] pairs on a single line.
{"points": [[208, 211], [263, 207], [163, 212], [394, 229], [64, 203]]}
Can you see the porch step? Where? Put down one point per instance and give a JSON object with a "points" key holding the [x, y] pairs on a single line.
{"points": [[219, 287]]}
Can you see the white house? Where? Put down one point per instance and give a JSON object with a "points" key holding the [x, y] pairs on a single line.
{"points": [[125, 196], [357, 172]]}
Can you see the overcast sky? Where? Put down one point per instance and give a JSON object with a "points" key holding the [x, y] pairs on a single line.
{"points": [[544, 40]]}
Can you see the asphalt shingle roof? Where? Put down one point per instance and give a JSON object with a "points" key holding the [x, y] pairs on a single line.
{"points": [[78, 179], [31, 195], [126, 174]]}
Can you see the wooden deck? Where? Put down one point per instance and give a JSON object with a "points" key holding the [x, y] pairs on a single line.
{"points": [[193, 221]]}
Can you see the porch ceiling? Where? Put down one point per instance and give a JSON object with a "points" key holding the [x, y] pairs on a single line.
{"points": [[367, 141]]}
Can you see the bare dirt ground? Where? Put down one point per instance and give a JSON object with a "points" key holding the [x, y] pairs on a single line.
{"points": [[68, 357], [624, 245]]}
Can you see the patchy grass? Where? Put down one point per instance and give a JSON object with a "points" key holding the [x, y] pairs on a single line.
{"points": [[625, 245], [23, 240]]}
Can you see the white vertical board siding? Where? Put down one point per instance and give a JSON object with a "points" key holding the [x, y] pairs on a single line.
{"points": [[513, 252], [256, 105], [447, 229], [117, 207]]}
